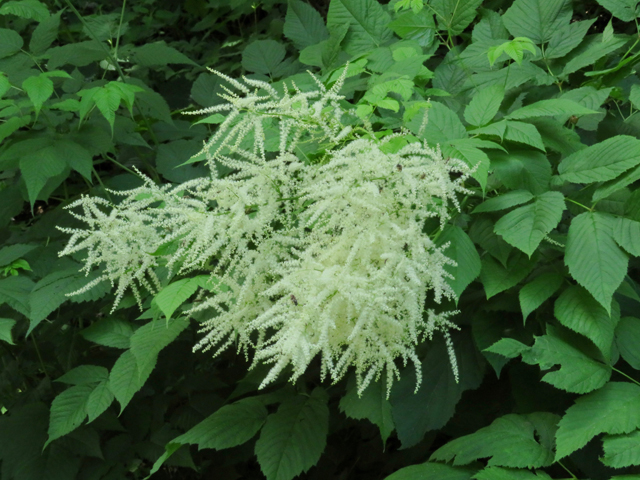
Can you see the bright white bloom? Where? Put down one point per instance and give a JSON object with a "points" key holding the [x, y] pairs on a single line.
{"points": [[310, 257]]}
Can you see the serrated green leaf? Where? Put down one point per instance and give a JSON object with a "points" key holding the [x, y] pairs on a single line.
{"points": [[612, 186], [502, 202], [578, 372], [601, 162], [455, 15], [263, 56], [464, 253], [126, 378], [466, 150], [490, 27], [110, 332], [158, 54], [628, 339], [566, 38], [522, 132], [614, 409], [508, 347], [443, 125], [621, 450], [294, 437], [627, 234], [484, 105], [228, 427], [149, 340], [6, 324], [431, 471], [44, 34], [303, 25], [537, 19], [589, 51], [68, 411], [578, 310], [10, 42], [176, 293], [525, 227], [634, 96], [593, 257], [13, 252], [556, 106], [510, 441], [367, 22], [499, 473], [29, 9], [15, 292], [534, 293], [77, 54], [85, 375], [372, 405], [99, 400], [48, 294], [495, 278], [625, 10], [419, 27]]}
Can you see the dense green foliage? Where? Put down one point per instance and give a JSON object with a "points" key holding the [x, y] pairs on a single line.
{"points": [[539, 98]]}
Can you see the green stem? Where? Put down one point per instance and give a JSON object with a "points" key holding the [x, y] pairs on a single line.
{"points": [[579, 204], [625, 375], [567, 470], [42, 365]]}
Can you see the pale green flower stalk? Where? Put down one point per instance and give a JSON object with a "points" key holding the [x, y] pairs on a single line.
{"points": [[325, 258]]}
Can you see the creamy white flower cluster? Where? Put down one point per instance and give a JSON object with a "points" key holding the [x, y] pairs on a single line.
{"points": [[324, 257]]}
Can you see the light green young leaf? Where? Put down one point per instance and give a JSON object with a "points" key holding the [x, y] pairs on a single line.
{"points": [[525, 227], [455, 15], [484, 105], [431, 471], [502, 202], [593, 257], [126, 378], [626, 233], [601, 162], [110, 332], [622, 450], [372, 405], [578, 372], [536, 292], [303, 25], [578, 310], [85, 375], [176, 293], [99, 400], [464, 253], [263, 56], [510, 441], [44, 34], [625, 10], [367, 22], [495, 278], [6, 324], [537, 19], [68, 411], [628, 339], [555, 106], [566, 38], [614, 409], [29, 9], [294, 437], [10, 42]]}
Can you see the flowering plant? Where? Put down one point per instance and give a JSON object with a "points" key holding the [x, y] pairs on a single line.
{"points": [[308, 255]]}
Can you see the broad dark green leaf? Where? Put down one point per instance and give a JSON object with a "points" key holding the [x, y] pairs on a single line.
{"points": [[10, 42], [455, 15], [85, 375], [593, 257], [496, 278], [536, 292], [149, 340], [110, 332], [99, 400], [14, 252], [502, 202], [367, 22], [464, 253], [490, 27], [158, 54], [622, 450], [15, 291], [625, 10], [303, 25], [566, 38], [372, 405], [431, 471], [41, 166], [419, 27], [443, 125], [614, 409], [126, 378], [44, 34], [263, 56], [28, 9], [522, 132], [68, 411], [294, 437], [537, 19], [77, 54], [589, 51], [499, 473], [484, 105], [627, 234], [49, 293], [628, 340], [466, 149], [510, 441]]}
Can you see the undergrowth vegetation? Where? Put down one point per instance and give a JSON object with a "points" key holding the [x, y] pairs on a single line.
{"points": [[346, 240]]}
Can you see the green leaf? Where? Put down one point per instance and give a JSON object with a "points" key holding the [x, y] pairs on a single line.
{"points": [[29, 9], [14, 252], [294, 437], [10, 42], [577, 310], [228, 427], [176, 293], [263, 56], [15, 291], [536, 292], [150, 339], [68, 411], [508, 347], [525, 227], [464, 253], [49, 293], [621, 450], [455, 15], [499, 473], [603, 161], [78, 54], [634, 95], [158, 54], [627, 234], [614, 409], [523, 133], [419, 27], [99, 400], [372, 405], [566, 38], [107, 98], [593, 257], [495, 278], [589, 51], [110, 332], [443, 125], [484, 105], [45, 34], [431, 471], [6, 324], [628, 339], [126, 378], [502, 202], [624, 180], [466, 150], [578, 372], [303, 25], [555, 106], [537, 19], [510, 441], [85, 375], [367, 22], [625, 10]]}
